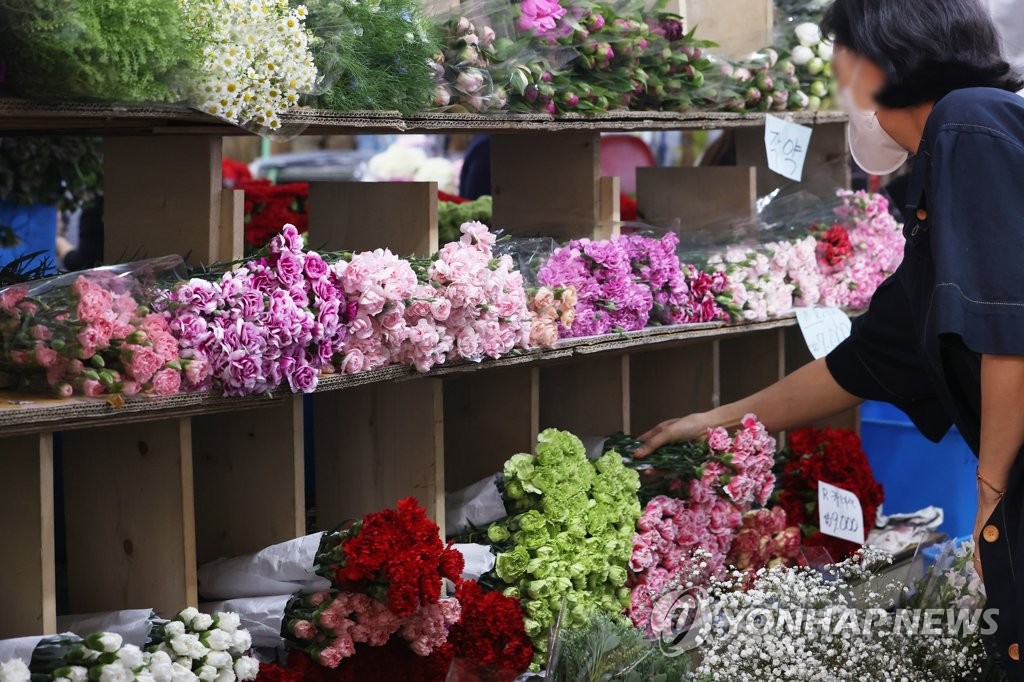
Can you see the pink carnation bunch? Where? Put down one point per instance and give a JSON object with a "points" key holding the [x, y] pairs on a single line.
{"points": [[764, 540], [90, 334], [278, 320]]}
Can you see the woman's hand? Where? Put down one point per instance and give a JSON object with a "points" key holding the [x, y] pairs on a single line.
{"points": [[673, 431], [988, 500]]}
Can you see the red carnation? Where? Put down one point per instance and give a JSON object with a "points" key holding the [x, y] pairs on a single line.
{"points": [[834, 246]]}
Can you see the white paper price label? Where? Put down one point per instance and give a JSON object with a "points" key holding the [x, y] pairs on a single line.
{"points": [[839, 513], [823, 329], [786, 145]]}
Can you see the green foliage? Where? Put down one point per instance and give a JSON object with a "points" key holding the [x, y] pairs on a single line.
{"points": [[55, 171], [121, 50], [451, 216], [374, 54], [606, 650]]}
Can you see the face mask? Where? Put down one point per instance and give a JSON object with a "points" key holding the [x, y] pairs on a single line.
{"points": [[873, 149]]}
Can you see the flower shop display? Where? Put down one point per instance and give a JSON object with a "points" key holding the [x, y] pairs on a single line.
{"points": [[761, 82], [191, 647], [837, 266], [372, 55], [630, 282], [834, 456], [695, 495], [568, 536], [94, 49], [798, 23], [94, 333]]}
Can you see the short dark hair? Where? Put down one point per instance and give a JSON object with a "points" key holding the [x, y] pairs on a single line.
{"points": [[927, 48]]}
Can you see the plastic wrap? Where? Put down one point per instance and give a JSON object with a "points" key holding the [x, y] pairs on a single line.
{"points": [[133, 625], [284, 568], [91, 332], [476, 506], [799, 39]]}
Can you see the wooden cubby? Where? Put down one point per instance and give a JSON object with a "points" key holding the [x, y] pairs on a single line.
{"points": [[156, 485]]}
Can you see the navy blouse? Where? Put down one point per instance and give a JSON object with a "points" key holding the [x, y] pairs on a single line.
{"points": [[958, 295]]}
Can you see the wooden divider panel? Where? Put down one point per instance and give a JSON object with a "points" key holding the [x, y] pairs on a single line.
{"points": [[546, 185], [826, 168], [672, 383], [249, 479], [587, 397], [362, 216], [749, 363], [609, 209], [131, 517], [376, 445], [232, 225], [162, 195], [696, 196], [488, 418], [28, 605], [797, 356]]}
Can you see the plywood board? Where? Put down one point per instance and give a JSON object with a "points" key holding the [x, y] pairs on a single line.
{"points": [[242, 456], [362, 216], [697, 197], [671, 383], [588, 398], [130, 517], [28, 604]]}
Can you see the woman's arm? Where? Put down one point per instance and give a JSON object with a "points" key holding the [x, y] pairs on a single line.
{"points": [[1002, 432], [808, 394]]}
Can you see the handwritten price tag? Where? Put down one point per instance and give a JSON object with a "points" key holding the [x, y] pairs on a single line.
{"points": [[840, 514], [823, 329], [786, 145]]}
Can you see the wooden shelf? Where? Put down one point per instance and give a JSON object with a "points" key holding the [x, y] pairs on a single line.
{"points": [[23, 413], [19, 116]]}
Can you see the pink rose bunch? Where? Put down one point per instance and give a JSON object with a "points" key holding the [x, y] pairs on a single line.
{"points": [[703, 510], [274, 321], [630, 282], [90, 334], [764, 540]]}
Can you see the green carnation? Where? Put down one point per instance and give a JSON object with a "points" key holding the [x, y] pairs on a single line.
{"points": [[617, 575], [532, 521], [514, 490], [498, 533], [511, 566], [520, 467]]}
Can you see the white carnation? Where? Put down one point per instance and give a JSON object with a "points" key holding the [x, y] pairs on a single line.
{"points": [[186, 615], [110, 642], [218, 640], [174, 628], [247, 668], [226, 675], [242, 643], [131, 656], [228, 622], [202, 621], [14, 670], [116, 672], [181, 673], [219, 659], [207, 673]]}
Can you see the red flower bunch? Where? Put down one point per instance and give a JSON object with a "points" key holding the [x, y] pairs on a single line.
{"points": [[490, 643], [834, 246], [268, 207], [396, 555], [834, 456], [764, 540]]}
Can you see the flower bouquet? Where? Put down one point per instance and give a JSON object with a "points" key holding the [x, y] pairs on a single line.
{"points": [[93, 333], [569, 535], [834, 456]]}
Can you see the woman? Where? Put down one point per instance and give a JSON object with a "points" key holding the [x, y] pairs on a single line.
{"points": [[944, 337]]}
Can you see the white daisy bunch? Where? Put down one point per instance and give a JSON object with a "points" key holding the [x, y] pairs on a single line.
{"points": [[257, 60]]}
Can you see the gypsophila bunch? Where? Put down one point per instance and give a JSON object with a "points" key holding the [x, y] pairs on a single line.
{"points": [[569, 537], [844, 630], [257, 60]]}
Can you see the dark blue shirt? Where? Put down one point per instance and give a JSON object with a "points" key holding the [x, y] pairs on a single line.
{"points": [[958, 295]]}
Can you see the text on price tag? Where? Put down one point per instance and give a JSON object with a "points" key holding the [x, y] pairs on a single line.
{"points": [[840, 514], [823, 329], [786, 145]]}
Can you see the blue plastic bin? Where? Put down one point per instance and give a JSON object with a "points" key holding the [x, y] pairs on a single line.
{"points": [[916, 472], [25, 230]]}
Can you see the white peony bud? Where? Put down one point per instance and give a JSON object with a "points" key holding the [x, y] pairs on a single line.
{"points": [[825, 49], [809, 34], [802, 54]]}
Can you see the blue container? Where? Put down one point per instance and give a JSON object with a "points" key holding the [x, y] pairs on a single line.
{"points": [[25, 230], [916, 472]]}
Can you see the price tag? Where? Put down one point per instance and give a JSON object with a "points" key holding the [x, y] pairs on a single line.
{"points": [[840, 514], [786, 145], [823, 329]]}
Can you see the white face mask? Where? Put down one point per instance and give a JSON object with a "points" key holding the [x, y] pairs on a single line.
{"points": [[873, 149]]}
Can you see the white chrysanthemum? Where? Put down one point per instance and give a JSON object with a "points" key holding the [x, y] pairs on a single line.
{"points": [[257, 62], [14, 670]]}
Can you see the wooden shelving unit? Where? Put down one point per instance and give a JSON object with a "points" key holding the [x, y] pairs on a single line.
{"points": [[155, 485]]}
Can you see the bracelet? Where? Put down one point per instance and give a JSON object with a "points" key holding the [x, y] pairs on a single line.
{"points": [[984, 482]]}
